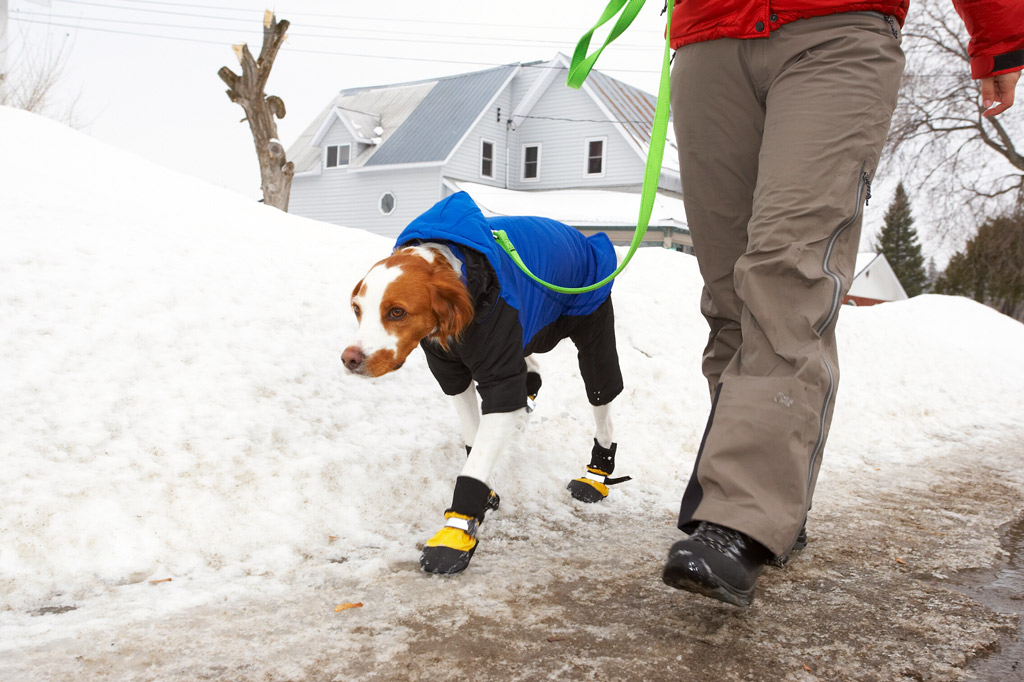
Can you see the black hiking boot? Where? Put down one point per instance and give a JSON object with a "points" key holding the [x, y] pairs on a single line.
{"points": [[717, 562]]}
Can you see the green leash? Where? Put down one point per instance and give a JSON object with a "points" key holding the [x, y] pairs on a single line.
{"points": [[579, 69]]}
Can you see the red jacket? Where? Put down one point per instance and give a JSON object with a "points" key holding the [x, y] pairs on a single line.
{"points": [[996, 26]]}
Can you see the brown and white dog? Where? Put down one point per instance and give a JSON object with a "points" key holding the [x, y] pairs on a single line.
{"points": [[453, 298]]}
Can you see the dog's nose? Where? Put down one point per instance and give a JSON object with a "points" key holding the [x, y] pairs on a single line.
{"points": [[352, 358]]}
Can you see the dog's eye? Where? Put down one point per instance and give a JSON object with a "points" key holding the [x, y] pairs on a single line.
{"points": [[396, 314], [356, 310]]}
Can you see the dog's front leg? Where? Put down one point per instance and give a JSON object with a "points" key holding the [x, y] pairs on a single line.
{"points": [[495, 432], [451, 548], [469, 413]]}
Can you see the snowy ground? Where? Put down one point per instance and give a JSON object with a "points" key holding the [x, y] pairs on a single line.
{"points": [[174, 408]]}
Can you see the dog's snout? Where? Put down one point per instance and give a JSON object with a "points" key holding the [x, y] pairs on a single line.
{"points": [[353, 358]]}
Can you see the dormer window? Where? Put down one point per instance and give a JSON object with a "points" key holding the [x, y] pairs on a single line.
{"points": [[337, 155], [595, 157]]}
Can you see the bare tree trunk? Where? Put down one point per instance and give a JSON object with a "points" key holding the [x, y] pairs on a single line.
{"points": [[246, 90]]}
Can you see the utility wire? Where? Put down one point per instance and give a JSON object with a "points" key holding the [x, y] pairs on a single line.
{"points": [[288, 48], [389, 20], [510, 42], [14, 16]]}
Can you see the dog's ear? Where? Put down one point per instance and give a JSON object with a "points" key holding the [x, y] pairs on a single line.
{"points": [[452, 306]]}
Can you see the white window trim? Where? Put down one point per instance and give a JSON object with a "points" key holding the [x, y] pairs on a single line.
{"points": [[522, 162], [380, 200], [345, 165], [494, 159], [586, 157]]}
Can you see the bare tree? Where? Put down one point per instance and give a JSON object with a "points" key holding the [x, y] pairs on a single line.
{"points": [[260, 110], [32, 83], [967, 166]]}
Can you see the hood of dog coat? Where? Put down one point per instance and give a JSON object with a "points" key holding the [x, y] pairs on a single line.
{"points": [[554, 251]]}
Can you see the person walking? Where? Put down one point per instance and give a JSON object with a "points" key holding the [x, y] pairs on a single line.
{"points": [[780, 110]]}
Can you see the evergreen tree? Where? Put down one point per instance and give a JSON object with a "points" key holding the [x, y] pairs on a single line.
{"points": [[990, 268], [898, 243]]}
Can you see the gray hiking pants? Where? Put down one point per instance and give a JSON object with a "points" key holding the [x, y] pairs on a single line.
{"points": [[778, 139]]}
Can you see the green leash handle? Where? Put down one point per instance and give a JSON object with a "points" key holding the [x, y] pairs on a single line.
{"points": [[579, 69]]}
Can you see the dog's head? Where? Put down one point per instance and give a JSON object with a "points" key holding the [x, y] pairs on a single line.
{"points": [[411, 295]]}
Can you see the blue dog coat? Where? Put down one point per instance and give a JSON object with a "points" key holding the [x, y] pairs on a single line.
{"points": [[514, 315]]}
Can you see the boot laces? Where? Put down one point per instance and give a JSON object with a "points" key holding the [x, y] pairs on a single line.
{"points": [[726, 541]]}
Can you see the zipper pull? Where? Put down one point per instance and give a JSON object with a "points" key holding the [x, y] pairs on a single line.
{"points": [[867, 184]]}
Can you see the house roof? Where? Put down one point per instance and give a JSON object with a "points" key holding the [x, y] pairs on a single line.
{"points": [[390, 106], [443, 116], [864, 259], [424, 121], [633, 111]]}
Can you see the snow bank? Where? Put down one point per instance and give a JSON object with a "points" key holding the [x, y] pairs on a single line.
{"points": [[174, 406]]}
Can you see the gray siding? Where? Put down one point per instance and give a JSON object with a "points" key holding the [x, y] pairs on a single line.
{"points": [[563, 143], [465, 162], [348, 198]]}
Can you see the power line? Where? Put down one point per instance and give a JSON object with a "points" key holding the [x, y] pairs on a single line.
{"points": [[292, 49], [509, 42], [388, 20], [16, 17]]}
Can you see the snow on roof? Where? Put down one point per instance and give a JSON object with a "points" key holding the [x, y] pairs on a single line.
{"points": [[576, 207]]}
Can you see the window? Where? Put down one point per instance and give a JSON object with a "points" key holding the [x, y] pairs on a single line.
{"points": [[531, 162], [337, 155], [486, 159], [595, 157], [387, 203]]}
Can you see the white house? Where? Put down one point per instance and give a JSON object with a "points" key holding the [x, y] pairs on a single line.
{"points": [[874, 282], [377, 157]]}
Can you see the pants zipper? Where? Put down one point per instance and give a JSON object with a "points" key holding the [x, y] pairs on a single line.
{"points": [[863, 182], [892, 26]]}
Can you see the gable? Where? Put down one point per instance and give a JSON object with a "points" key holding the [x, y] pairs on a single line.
{"points": [[876, 280]]}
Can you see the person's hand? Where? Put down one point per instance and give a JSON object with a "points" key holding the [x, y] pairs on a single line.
{"points": [[998, 89]]}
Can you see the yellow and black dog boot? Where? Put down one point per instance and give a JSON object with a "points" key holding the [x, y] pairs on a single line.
{"points": [[451, 548], [593, 485]]}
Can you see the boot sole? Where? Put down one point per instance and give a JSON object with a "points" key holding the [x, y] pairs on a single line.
{"points": [[682, 579]]}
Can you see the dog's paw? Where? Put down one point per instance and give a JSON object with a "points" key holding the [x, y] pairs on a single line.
{"points": [[590, 487], [593, 485], [451, 548]]}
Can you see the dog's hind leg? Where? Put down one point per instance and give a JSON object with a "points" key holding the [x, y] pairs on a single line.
{"points": [[533, 383], [603, 425], [593, 485]]}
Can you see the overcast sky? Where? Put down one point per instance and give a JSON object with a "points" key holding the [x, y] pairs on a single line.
{"points": [[145, 71]]}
